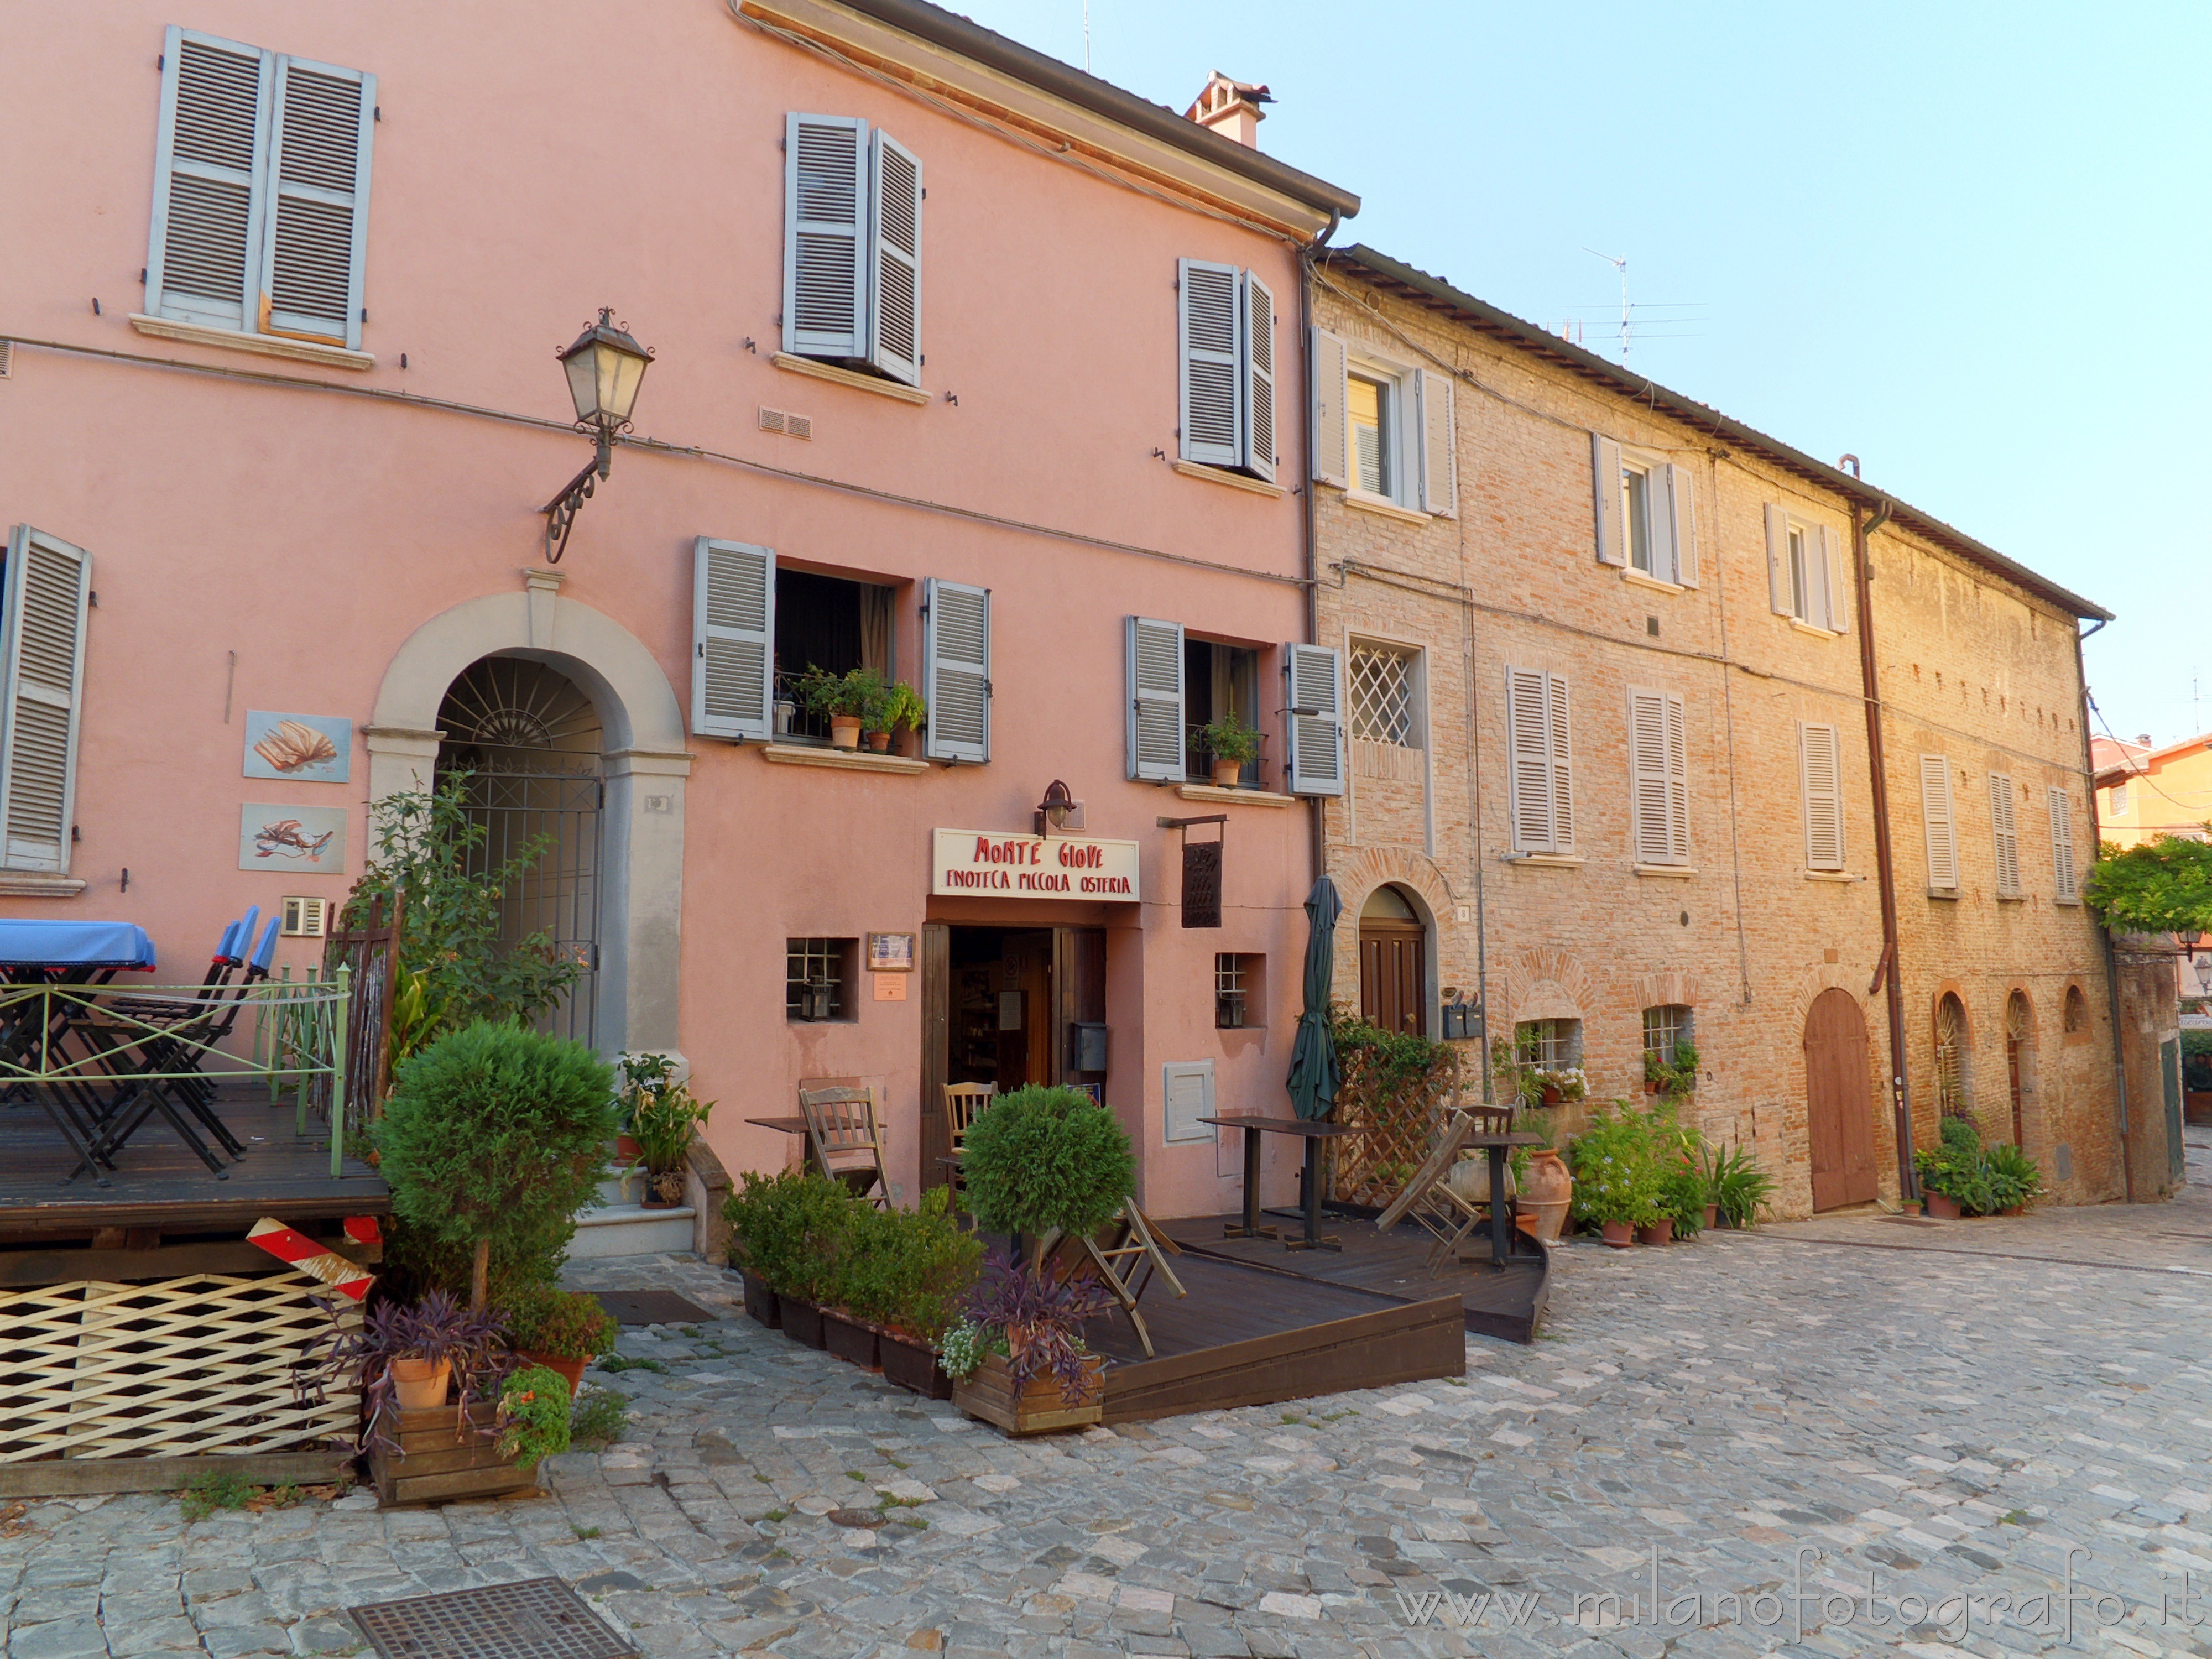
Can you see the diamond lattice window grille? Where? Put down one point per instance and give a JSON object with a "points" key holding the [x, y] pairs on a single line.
{"points": [[1383, 695]]}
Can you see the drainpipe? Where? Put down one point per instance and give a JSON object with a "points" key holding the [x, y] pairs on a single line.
{"points": [[2111, 960], [1316, 820], [1885, 971]]}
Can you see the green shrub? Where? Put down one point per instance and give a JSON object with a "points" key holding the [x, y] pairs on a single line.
{"points": [[1616, 1169], [1735, 1181], [908, 1269], [533, 1413], [789, 1231], [567, 1324], [1043, 1160], [1682, 1197], [2014, 1177], [599, 1416], [494, 1138]]}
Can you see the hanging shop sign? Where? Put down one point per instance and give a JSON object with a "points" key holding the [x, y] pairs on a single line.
{"points": [[977, 863]]}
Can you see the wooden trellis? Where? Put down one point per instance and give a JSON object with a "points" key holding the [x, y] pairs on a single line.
{"points": [[1400, 1116], [178, 1369]]}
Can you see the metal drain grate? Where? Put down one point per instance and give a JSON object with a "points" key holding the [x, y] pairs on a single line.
{"points": [[653, 1307], [537, 1619]]}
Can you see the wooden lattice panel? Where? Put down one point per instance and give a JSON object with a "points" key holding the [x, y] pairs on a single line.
{"points": [[1401, 1126], [181, 1368]]}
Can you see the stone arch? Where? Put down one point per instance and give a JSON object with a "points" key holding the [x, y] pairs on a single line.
{"points": [[645, 756], [1425, 888]]}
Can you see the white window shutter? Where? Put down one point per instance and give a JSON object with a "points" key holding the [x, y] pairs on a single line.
{"points": [[1833, 564], [1678, 782], [1682, 522], [1439, 453], [1605, 495], [1155, 724], [43, 591], [956, 670], [2004, 833], [1658, 523], [204, 253], [733, 639], [825, 220], [1778, 595], [1659, 777], [1820, 773], [1317, 720], [1328, 434], [316, 223], [1563, 792], [1211, 402], [1186, 1090], [1528, 773], [2067, 878], [1943, 831], [1259, 329], [895, 259]]}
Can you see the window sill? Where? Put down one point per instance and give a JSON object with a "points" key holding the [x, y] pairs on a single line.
{"points": [[1636, 577], [1948, 895], [1239, 797], [1234, 480], [1671, 872], [2071, 905], [1831, 875], [1804, 626], [1382, 509], [836, 376], [1544, 861], [269, 345], [2012, 898], [38, 884], [841, 760]]}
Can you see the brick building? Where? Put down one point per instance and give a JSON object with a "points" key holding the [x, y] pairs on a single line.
{"points": [[1607, 662]]}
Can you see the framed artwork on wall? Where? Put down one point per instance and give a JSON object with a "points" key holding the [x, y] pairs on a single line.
{"points": [[891, 953], [299, 748], [287, 839]]}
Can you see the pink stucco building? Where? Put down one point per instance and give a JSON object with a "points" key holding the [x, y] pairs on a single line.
{"points": [[967, 369]]}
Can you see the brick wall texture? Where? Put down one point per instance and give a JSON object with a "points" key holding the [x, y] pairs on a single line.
{"points": [[1970, 667]]}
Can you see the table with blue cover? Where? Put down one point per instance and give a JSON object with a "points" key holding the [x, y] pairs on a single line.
{"points": [[36, 952]]}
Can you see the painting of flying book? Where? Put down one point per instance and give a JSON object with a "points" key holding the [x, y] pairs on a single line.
{"points": [[301, 748]]}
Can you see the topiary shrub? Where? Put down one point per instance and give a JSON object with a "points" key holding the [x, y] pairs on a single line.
{"points": [[1043, 1160], [790, 1231], [907, 1269], [494, 1138]]}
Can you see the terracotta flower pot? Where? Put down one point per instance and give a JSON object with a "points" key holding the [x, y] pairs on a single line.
{"points": [[879, 743], [845, 731], [1661, 1231], [572, 1369], [1712, 1215], [1618, 1234], [1942, 1206], [1546, 1194], [421, 1384], [1226, 772]]}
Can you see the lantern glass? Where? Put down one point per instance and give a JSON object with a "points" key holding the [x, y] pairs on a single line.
{"points": [[604, 369]]}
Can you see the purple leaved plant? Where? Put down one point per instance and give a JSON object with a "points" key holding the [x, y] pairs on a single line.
{"points": [[1043, 1316]]}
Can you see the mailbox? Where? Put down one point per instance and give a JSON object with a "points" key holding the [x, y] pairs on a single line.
{"points": [[1086, 1047]]}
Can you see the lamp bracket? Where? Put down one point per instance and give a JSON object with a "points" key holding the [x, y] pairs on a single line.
{"points": [[561, 512]]}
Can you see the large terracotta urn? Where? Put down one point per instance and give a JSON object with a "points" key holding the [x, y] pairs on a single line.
{"points": [[1545, 1196]]}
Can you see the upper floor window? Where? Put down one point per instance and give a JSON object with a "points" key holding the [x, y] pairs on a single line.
{"points": [[260, 192], [1221, 710], [1385, 706], [1659, 777], [1805, 570], [1384, 432], [2115, 801], [1225, 344], [852, 246], [1646, 514], [1540, 774], [1821, 777], [44, 587], [1940, 826]]}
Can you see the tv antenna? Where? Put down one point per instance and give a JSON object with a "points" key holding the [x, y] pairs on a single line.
{"points": [[1086, 36], [1619, 264]]}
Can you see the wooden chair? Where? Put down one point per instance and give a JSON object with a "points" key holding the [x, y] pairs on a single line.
{"points": [[847, 1144], [1125, 1255], [1430, 1200], [961, 1102]]}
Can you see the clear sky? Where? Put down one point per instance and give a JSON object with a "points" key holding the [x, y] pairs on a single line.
{"points": [[1966, 241]]}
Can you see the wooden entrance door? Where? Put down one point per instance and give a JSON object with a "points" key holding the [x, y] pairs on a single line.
{"points": [[1391, 993], [936, 1039], [1838, 1115]]}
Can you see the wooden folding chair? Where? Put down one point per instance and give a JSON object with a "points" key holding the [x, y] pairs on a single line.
{"points": [[847, 1144], [1125, 1254], [1429, 1200], [961, 1102]]}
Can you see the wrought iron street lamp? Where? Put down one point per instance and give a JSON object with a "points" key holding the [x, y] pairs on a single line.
{"points": [[605, 368]]}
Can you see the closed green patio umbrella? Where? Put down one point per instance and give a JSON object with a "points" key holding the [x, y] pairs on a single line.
{"points": [[1314, 1071]]}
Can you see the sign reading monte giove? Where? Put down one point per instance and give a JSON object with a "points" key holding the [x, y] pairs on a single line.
{"points": [[978, 862]]}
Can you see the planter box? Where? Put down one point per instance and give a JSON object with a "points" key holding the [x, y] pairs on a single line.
{"points": [[989, 1394], [849, 1339], [439, 1464], [913, 1366], [802, 1321], [761, 1303]]}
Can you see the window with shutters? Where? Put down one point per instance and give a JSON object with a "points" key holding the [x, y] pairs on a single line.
{"points": [[261, 192], [2004, 835], [2066, 875], [1659, 778], [956, 670], [1540, 775], [826, 625], [43, 586], [1940, 827], [1385, 694], [1806, 571], [1378, 403], [1314, 677], [851, 247], [1221, 680], [1821, 777], [1646, 514], [2116, 801], [1226, 347]]}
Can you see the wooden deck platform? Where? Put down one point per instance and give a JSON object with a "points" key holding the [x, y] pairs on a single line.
{"points": [[1243, 1337], [159, 1188], [1508, 1304]]}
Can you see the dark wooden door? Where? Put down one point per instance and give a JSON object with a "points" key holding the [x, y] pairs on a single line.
{"points": [[936, 1049], [1393, 991], [1078, 983], [1839, 1114]]}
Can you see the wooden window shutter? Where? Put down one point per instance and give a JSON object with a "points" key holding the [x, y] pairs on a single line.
{"points": [[1659, 777], [1683, 522], [1563, 793], [1155, 724], [1820, 772], [1604, 494], [895, 259], [1328, 434], [1211, 399], [2066, 877], [43, 591], [1541, 780], [825, 258], [956, 670], [2004, 834], [204, 253], [1259, 330], [316, 219], [1778, 594], [733, 639], [1678, 782], [1439, 453], [1316, 720], [1942, 831], [1835, 576]]}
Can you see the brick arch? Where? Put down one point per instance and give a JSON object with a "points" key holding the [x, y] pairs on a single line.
{"points": [[1673, 988], [1546, 982], [1358, 876]]}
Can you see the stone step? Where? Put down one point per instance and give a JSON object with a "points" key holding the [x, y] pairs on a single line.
{"points": [[617, 1229]]}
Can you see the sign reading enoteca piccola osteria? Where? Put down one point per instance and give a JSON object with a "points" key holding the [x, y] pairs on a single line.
{"points": [[978, 862]]}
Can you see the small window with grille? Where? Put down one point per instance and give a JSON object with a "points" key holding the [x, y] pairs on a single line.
{"points": [[1237, 991], [817, 978], [1382, 696], [1549, 1045], [1664, 1027]]}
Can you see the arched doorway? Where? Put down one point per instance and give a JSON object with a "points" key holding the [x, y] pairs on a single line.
{"points": [[2019, 1061], [530, 742], [1838, 1116], [1393, 964], [1954, 1078]]}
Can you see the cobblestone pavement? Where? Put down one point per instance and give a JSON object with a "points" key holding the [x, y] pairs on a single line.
{"points": [[1938, 1411]]}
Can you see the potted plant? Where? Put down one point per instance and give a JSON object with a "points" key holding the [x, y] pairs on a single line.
{"points": [[1616, 1176], [2014, 1178], [562, 1330], [850, 701], [1679, 1201], [788, 1231], [411, 1354], [905, 1274], [1546, 1188], [903, 710], [1954, 1178], [1672, 1077], [1019, 1359], [663, 1115], [1736, 1187], [534, 1406], [1231, 743], [1044, 1162]]}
